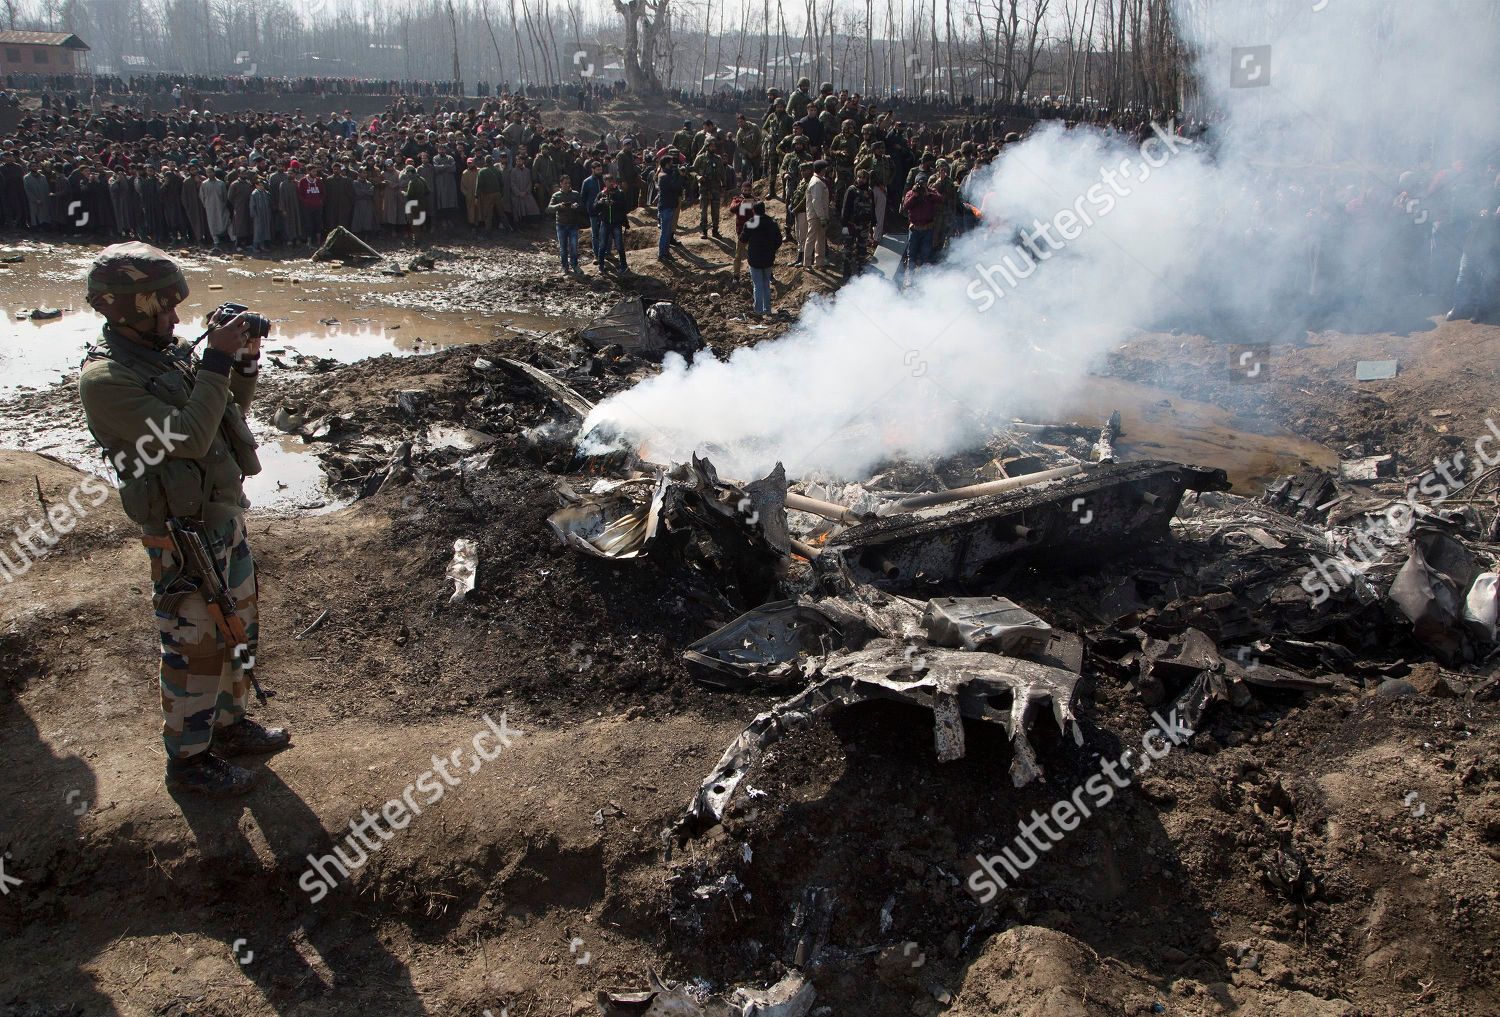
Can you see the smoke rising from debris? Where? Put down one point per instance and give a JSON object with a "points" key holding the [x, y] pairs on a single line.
{"points": [[1289, 214]]}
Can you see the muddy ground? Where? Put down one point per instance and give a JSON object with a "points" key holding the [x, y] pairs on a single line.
{"points": [[541, 879]]}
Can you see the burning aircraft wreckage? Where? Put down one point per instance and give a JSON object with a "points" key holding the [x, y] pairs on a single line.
{"points": [[921, 584], [992, 586]]}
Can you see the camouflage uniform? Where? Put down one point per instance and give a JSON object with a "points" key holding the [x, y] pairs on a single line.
{"points": [[841, 153], [752, 147], [949, 211], [859, 204], [797, 104], [791, 171], [777, 125], [175, 431], [882, 170], [796, 210], [700, 142], [204, 685], [708, 169]]}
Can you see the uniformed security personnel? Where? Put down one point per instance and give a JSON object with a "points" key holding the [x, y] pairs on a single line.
{"points": [[797, 104], [683, 139], [882, 171], [751, 144], [791, 173], [776, 126], [842, 151], [173, 426], [709, 172]]}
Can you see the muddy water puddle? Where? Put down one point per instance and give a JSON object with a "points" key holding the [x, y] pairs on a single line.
{"points": [[314, 316], [1158, 424], [291, 477]]}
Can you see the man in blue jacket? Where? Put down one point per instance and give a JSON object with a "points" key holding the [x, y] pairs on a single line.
{"points": [[669, 187], [588, 195]]}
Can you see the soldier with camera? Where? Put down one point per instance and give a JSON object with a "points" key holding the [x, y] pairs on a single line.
{"points": [[173, 427]]}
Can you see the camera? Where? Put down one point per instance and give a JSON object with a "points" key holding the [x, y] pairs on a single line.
{"points": [[258, 326]]}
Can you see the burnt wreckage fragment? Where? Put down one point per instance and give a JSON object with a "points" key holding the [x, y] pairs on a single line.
{"points": [[1109, 508], [1192, 602], [853, 639]]}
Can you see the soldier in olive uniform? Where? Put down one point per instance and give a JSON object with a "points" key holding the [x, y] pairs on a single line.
{"points": [[777, 125], [683, 139], [796, 144], [796, 206], [173, 427], [842, 151], [751, 146], [942, 182], [709, 171], [797, 104], [882, 170], [709, 133]]}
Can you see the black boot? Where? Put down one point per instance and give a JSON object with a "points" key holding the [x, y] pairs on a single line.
{"points": [[207, 774], [245, 736]]}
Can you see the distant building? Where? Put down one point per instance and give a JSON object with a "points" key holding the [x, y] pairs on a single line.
{"points": [[41, 53]]}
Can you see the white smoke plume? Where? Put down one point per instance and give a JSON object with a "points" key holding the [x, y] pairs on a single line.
{"points": [[1289, 215]]}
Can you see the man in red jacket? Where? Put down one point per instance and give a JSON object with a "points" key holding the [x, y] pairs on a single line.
{"points": [[310, 196], [742, 207], [921, 207]]}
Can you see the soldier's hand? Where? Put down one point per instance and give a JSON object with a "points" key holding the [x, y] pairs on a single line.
{"points": [[230, 337]]}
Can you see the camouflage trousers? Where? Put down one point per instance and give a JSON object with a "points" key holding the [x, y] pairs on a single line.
{"points": [[204, 685]]}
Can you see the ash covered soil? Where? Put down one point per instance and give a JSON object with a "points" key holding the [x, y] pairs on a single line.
{"points": [[1330, 853]]}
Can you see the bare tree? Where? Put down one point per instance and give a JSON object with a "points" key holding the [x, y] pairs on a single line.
{"points": [[484, 8], [453, 24], [642, 20], [765, 41]]}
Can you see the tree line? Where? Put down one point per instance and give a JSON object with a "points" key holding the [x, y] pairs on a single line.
{"points": [[1114, 52]]}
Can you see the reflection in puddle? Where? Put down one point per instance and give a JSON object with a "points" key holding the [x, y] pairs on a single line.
{"points": [[336, 319], [36, 354], [291, 477], [314, 315]]}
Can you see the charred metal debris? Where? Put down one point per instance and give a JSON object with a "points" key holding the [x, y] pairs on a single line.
{"points": [[920, 586], [987, 586]]}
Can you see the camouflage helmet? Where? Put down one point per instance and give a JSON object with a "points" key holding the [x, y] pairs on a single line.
{"points": [[804, 82], [825, 87], [130, 284]]}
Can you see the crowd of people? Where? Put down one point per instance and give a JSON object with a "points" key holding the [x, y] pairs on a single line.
{"points": [[260, 180], [844, 169], [149, 92]]}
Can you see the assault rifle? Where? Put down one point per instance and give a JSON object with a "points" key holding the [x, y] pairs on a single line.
{"points": [[198, 561]]}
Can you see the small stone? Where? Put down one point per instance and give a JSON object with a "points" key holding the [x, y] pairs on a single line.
{"points": [[1396, 688]]}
